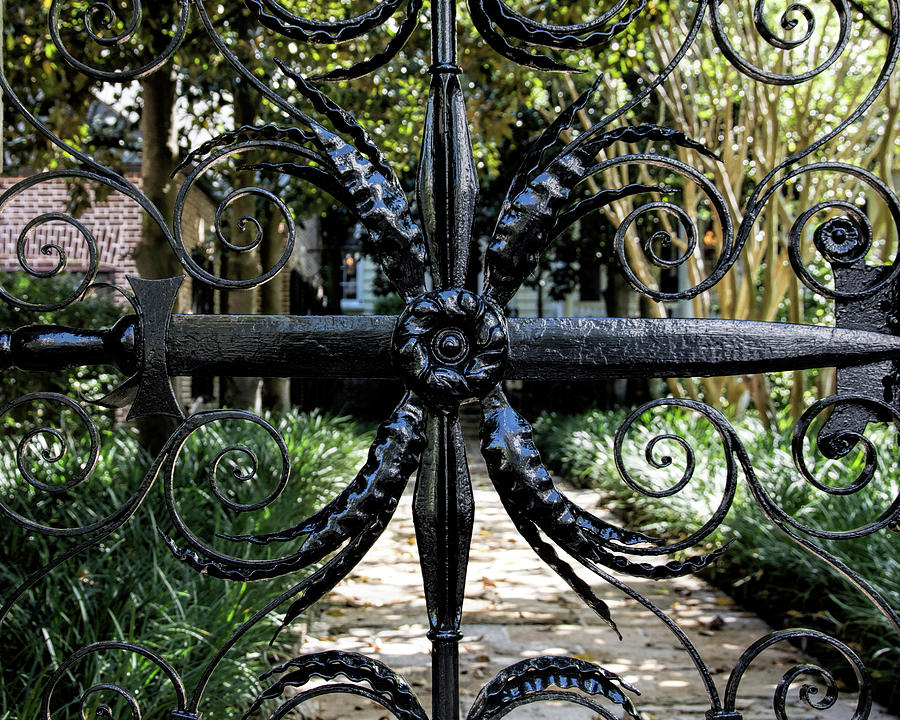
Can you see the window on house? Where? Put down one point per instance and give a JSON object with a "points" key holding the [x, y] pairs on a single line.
{"points": [[590, 285], [349, 275]]}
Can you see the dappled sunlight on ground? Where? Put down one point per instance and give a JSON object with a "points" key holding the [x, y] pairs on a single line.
{"points": [[516, 608]]}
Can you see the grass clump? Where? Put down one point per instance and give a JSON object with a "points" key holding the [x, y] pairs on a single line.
{"points": [[130, 587], [763, 569]]}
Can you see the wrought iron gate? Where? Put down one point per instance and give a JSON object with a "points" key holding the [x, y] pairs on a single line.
{"points": [[451, 345]]}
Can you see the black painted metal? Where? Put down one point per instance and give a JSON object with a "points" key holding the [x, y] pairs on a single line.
{"points": [[451, 345], [344, 346]]}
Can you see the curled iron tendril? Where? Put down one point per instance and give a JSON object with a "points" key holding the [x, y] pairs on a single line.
{"points": [[726, 437], [101, 17], [838, 445], [184, 432], [808, 690], [662, 238], [789, 22], [52, 456], [735, 454], [835, 446], [103, 711], [97, 174], [50, 250], [242, 475], [842, 240], [202, 167], [252, 222]]}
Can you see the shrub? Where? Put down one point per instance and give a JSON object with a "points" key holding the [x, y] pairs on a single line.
{"points": [[129, 587], [761, 568]]}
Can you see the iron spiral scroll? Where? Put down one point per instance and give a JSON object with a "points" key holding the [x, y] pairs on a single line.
{"points": [[452, 345]]}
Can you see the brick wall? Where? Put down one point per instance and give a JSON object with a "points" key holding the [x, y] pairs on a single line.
{"points": [[115, 224]]}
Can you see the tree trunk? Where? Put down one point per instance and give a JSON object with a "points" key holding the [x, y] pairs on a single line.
{"points": [[334, 235], [153, 256], [244, 392], [618, 294], [276, 392], [796, 315]]}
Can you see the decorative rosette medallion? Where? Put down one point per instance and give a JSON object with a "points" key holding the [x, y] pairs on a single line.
{"points": [[450, 345]]}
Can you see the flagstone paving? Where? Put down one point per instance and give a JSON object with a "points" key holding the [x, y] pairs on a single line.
{"points": [[516, 608]]}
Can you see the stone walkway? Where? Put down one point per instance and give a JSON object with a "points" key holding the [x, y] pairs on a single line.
{"points": [[517, 608]]}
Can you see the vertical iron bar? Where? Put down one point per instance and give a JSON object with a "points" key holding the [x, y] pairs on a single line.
{"points": [[447, 190], [444, 510], [447, 186], [2, 123], [443, 32]]}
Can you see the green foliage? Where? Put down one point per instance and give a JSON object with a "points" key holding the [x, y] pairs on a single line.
{"points": [[130, 587], [389, 305], [390, 104], [763, 565]]}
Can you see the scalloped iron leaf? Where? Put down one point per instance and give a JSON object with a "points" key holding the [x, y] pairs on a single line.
{"points": [[532, 680], [247, 133], [395, 692]]}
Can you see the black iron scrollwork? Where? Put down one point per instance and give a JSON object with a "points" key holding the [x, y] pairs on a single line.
{"points": [[385, 687], [490, 15], [808, 691], [841, 240], [451, 345], [98, 21], [107, 689], [276, 17], [359, 512], [789, 22], [532, 680], [535, 209]]}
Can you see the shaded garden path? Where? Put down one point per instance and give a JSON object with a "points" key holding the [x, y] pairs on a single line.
{"points": [[515, 608]]}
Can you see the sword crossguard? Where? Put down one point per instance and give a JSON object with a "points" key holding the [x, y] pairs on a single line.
{"points": [[876, 312]]}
